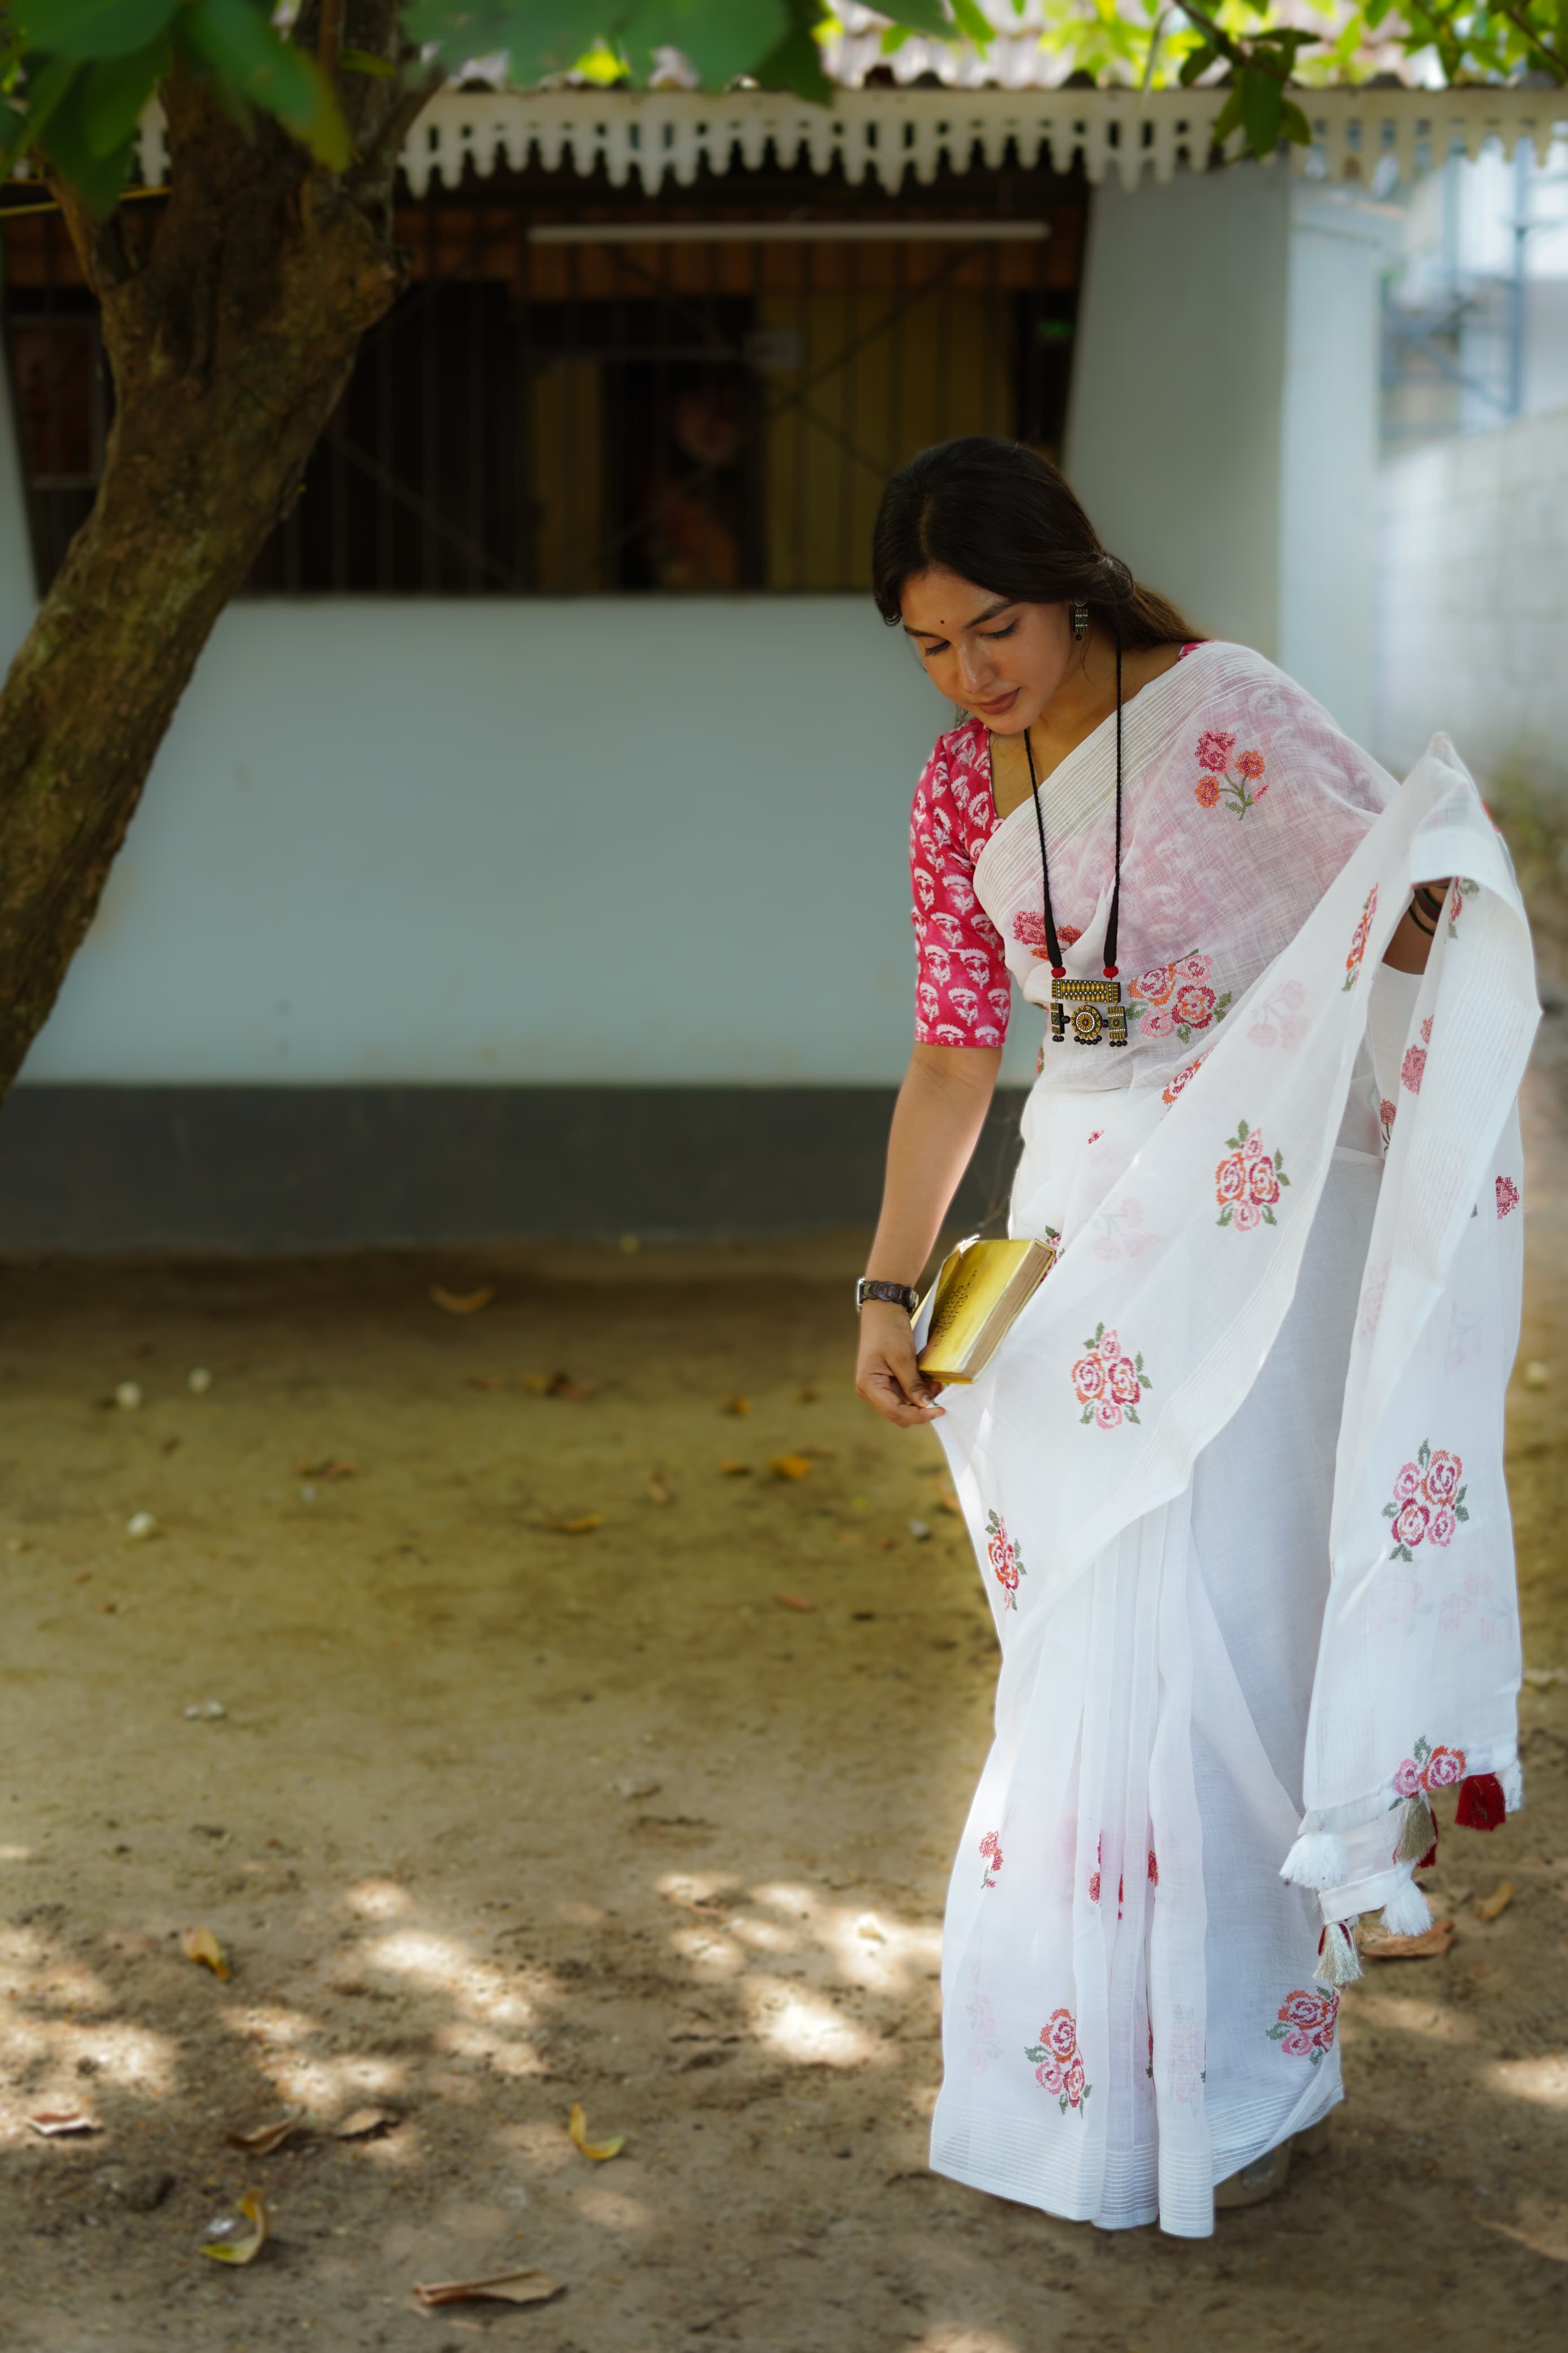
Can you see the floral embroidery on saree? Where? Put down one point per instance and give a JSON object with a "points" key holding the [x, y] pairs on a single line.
{"points": [[1386, 1116], [1246, 1184], [1109, 1383], [1304, 2027], [1359, 938], [1227, 773], [1428, 1500], [1463, 888], [1412, 1069], [1168, 1092], [1506, 1196], [1174, 1000], [990, 1857], [1006, 1560], [1427, 1768], [1280, 1021], [1057, 2062]]}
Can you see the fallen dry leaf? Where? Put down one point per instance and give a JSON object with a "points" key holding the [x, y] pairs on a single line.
{"points": [[736, 1405], [1541, 1678], [242, 2246], [807, 1397], [463, 1303], [201, 1944], [57, 2124], [1498, 1901], [789, 1466], [947, 1501], [599, 2150], [262, 2139], [583, 1527], [658, 1489], [558, 1385], [736, 1470], [367, 2123], [1429, 1945], [330, 1466], [506, 2287], [794, 1601]]}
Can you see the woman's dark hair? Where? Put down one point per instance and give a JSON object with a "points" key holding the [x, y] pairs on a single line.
{"points": [[997, 513]]}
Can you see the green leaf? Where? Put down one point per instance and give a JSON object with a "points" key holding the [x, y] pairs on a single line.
{"points": [[1262, 108], [1199, 63], [796, 65], [359, 61], [1294, 125], [96, 179], [973, 22], [43, 93], [115, 91], [253, 62], [94, 28], [1228, 118], [922, 16], [719, 38], [542, 37]]}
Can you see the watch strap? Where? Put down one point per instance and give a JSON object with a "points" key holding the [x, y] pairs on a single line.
{"points": [[897, 1294]]}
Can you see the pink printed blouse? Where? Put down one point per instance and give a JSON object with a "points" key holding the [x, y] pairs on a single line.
{"points": [[1215, 873]]}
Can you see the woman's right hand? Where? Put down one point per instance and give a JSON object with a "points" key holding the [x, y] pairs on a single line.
{"points": [[887, 1375]]}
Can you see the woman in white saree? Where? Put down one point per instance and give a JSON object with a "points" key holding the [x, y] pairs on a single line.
{"points": [[1235, 1475]]}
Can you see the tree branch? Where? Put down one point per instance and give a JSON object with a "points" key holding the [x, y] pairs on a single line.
{"points": [[330, 37], [1235, 52], [100, 245], [1516, 16]]}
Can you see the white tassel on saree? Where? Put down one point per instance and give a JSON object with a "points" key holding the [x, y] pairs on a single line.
{"points": [[1275, 1339]]}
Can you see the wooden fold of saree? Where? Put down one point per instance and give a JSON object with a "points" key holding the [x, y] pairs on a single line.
{"points": [[1234, 1477]]}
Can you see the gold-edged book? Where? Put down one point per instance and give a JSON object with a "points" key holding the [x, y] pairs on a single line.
{"points": [[981, 1291]]}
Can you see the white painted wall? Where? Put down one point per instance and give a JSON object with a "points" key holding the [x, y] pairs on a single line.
{"points": [[1224, 429], [608, 840], [1473, 602]]}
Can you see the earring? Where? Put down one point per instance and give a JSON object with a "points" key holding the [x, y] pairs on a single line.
{"points": [[1080, 619]]}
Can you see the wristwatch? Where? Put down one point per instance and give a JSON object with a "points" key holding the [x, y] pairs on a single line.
{"points": [[897, 1294]]}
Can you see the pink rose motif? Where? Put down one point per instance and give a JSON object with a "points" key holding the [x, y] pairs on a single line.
{"points": [[1444, 1769], [1029, 930], [1124, 1386], [1407, 1780], [1060, 2033], [1443, 1474], [1386, 1111], [1254, 1144], [1094, 1886], [1258, 795], [1073, 2080], [1444, 1523], [1410, 1524], [1301, 2009], [1090, 1378], [1245, 1216], [1215, 748], [1206, 791], [1194, 1008], [1506, 1196], [1169, 1094], [1264, 1033], [1230, 1179], [1407, 1486], [1108, 1414], [1249, 764], [1050, 2075], [1155, 987], [1109, 1347], [1195, 968], [1412, 1069], [1297, 2044], [1263, 1183], [1159, 1022]]}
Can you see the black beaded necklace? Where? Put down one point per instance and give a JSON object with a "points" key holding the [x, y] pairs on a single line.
{"points": [[1088, 1023]]}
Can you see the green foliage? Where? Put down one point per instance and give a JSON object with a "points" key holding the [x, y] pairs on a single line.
{"points": [[75, 74]]}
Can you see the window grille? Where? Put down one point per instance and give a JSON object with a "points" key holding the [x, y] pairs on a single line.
{"points": [[583, 392]]}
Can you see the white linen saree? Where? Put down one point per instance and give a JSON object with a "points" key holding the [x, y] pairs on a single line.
{"points": [[1234, 1477]]}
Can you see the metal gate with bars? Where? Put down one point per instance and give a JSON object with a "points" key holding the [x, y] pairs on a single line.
{"points": [[580, 394]]}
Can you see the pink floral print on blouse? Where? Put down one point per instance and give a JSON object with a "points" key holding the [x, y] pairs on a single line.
{"points": [[963, 992]]}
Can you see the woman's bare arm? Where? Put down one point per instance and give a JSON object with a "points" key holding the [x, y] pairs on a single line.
{"points": [[941, 1110], [1411, 944]]}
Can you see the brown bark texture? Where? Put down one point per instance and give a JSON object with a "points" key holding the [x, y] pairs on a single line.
{"points": [[230, 329]]}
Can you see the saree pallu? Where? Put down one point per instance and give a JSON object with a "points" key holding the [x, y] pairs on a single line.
{"points": [[1235, 1485]]}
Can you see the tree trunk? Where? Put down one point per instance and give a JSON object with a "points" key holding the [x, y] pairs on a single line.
{"points": [[230, 328]]}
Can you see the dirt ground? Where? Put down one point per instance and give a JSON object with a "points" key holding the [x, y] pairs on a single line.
{"points": [[499, 1817]]}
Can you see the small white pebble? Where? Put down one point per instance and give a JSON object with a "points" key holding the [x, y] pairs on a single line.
{"points": [[871, 1928], [214, 1707], [918, 1530], [1536, 1375], [139, 1526], [128, 1396], [192, 1712], [199, 1381]]}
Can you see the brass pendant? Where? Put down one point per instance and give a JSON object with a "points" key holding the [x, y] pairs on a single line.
{"points": [[1087, 1024]]}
